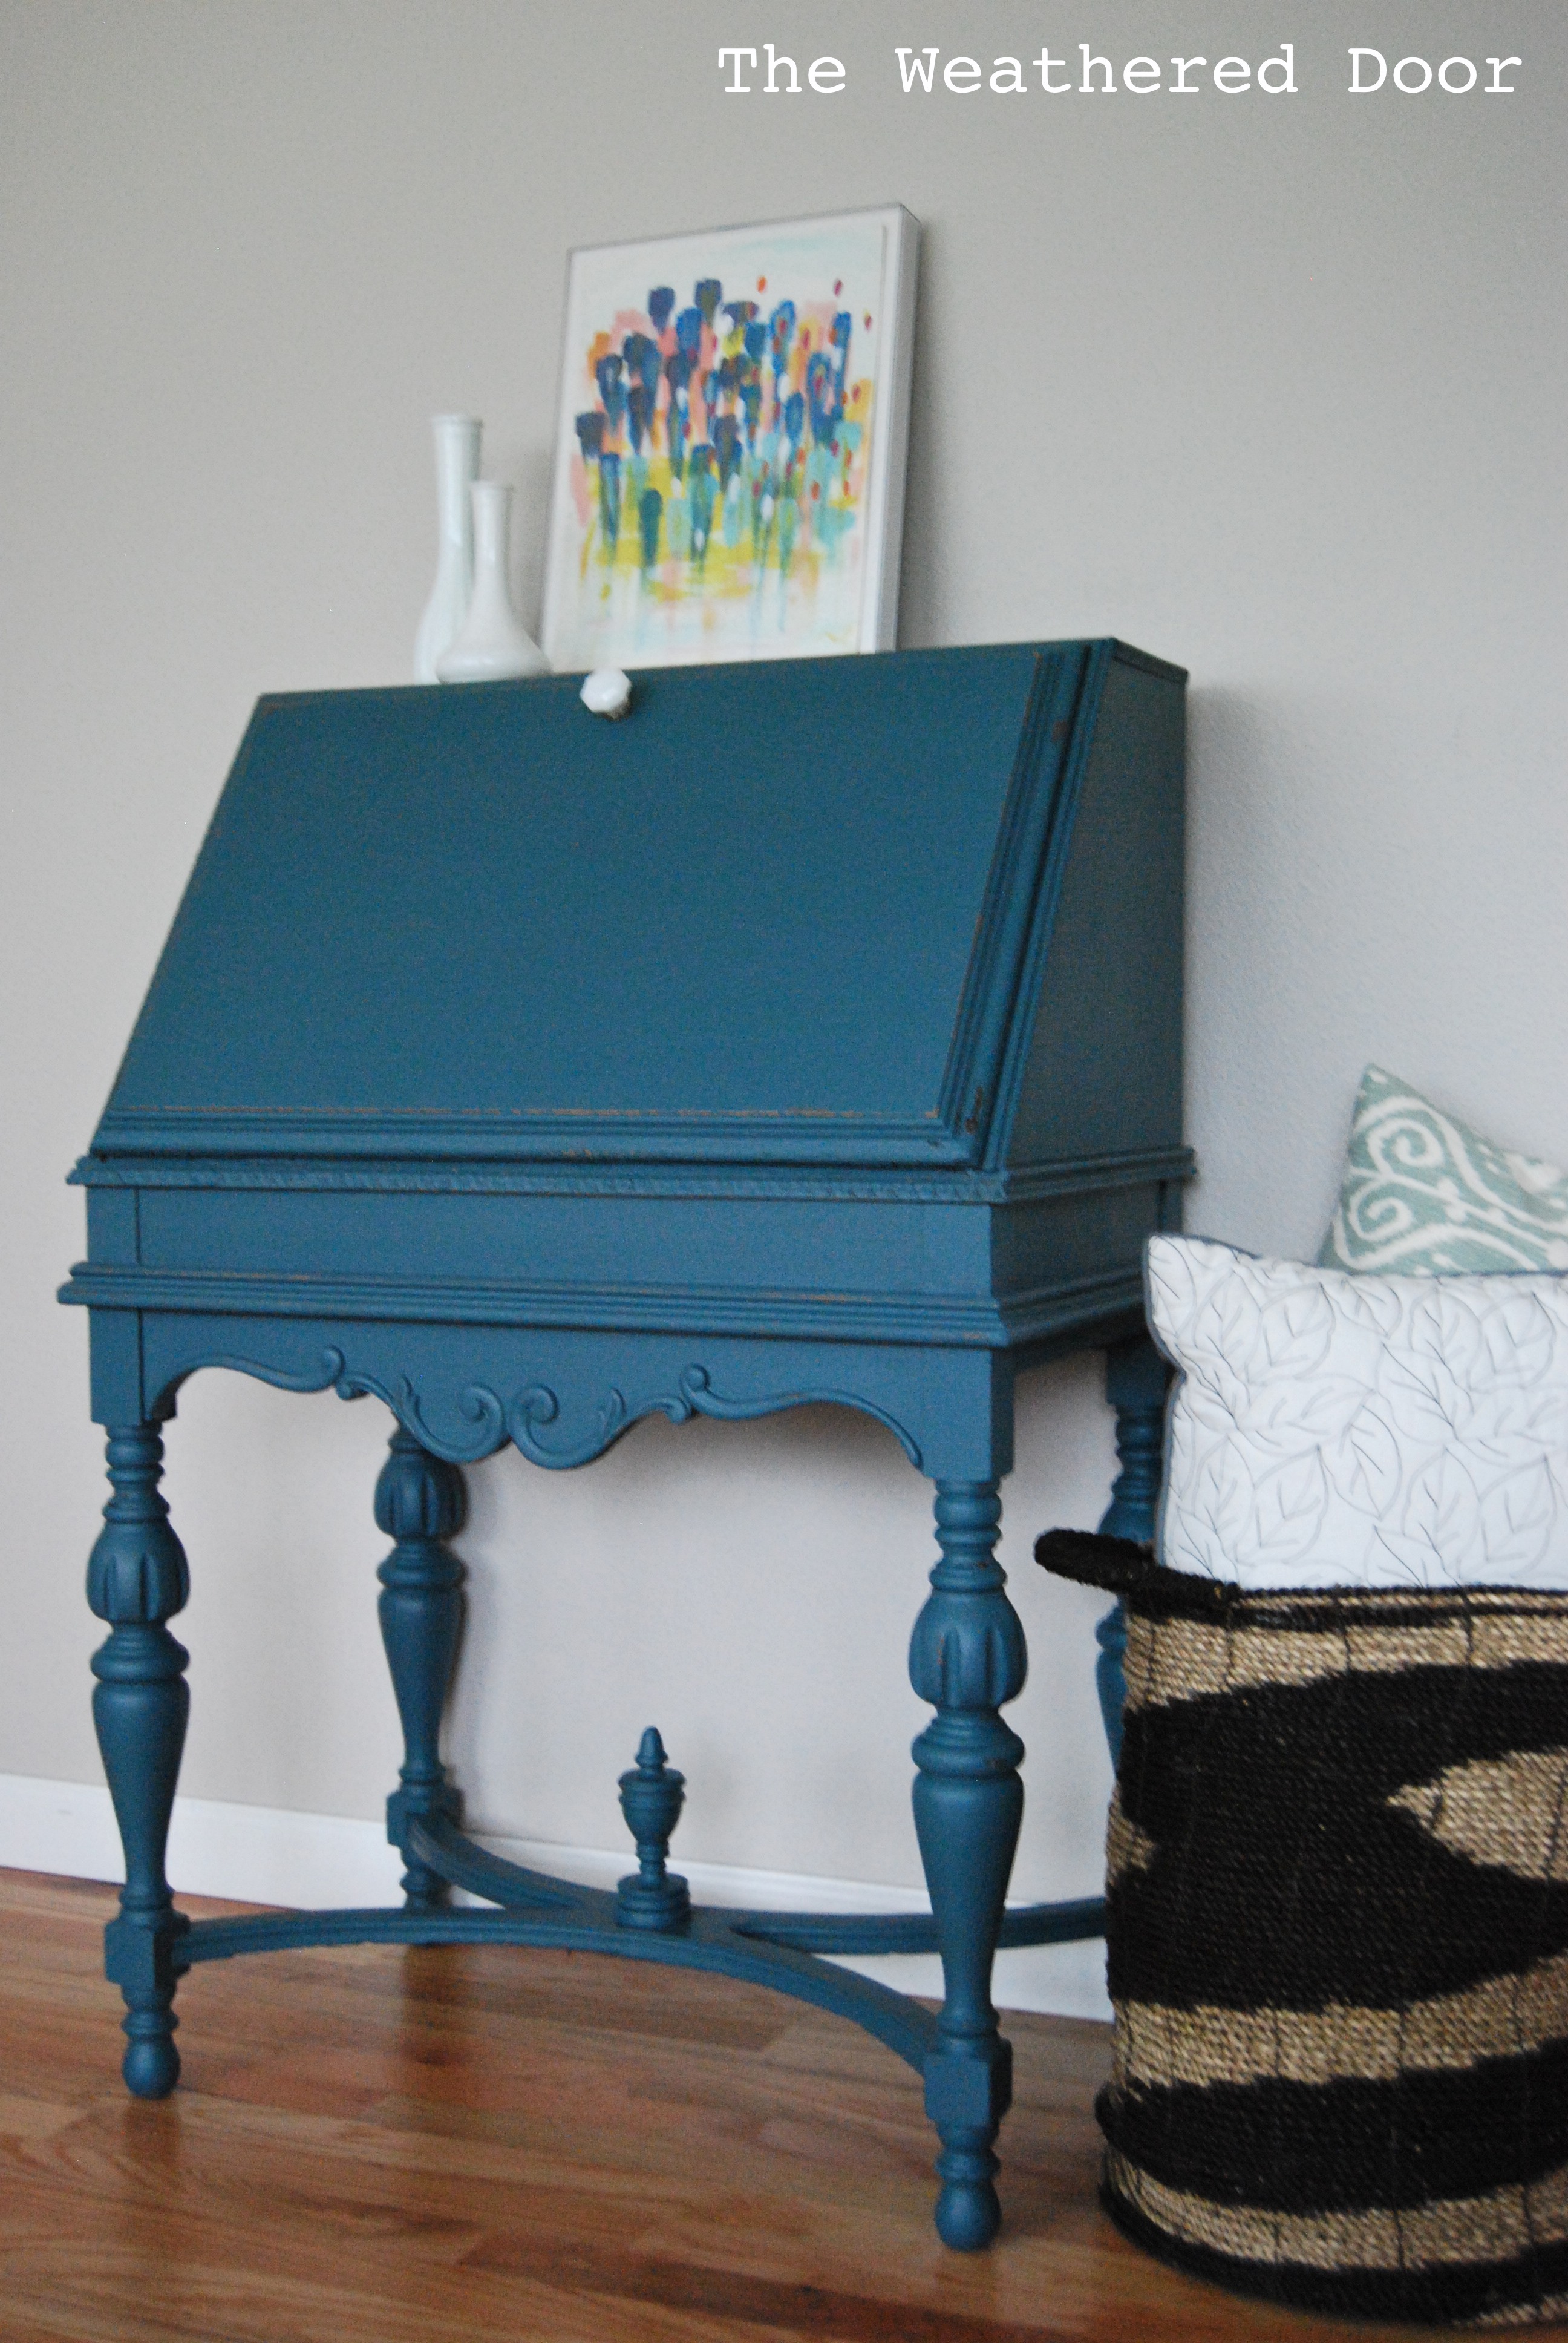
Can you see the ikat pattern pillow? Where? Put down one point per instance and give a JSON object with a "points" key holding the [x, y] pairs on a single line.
{"points": [[1424, 1193], [1336, 1429]]}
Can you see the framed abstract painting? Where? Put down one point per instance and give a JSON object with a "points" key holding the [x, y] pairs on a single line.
{"points": [[730, 447]]}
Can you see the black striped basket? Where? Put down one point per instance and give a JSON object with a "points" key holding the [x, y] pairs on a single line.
{"points": [[1337, 1942]]}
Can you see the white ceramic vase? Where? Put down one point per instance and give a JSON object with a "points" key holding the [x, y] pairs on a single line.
{"points": [[457, 439], [490, 643]]}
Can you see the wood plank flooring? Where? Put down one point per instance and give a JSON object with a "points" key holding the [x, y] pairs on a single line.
{"points": [[473, 2144]]}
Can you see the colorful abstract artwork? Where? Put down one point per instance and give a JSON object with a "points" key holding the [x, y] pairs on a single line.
{"points": [[729, 456]]}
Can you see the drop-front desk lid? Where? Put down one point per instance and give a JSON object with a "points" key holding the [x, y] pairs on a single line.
{"points": [[786, 912]]}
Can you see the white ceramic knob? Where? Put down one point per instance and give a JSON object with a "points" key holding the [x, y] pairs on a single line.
{"points": [[607, 692]]}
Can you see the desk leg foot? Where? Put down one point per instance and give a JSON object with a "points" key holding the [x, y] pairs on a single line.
{"points": [[421, 1502], [966, 1658], [136, 1578]]}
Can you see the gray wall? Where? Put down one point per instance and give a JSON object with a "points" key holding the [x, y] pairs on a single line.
{"points": [[1271, 385]]}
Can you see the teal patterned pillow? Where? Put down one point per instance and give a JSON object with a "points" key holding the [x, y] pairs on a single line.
{"points": [[1422, 1192]]}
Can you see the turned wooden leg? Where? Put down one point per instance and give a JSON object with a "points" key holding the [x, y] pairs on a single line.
{"points": [[420, 1501], [966, 1658], [1135, 1380], [136, 1578]]}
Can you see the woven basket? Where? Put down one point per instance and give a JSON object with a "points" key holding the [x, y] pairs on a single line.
{"points": [[1337, 1940]]}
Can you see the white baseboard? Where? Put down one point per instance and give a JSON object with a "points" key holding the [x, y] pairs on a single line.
{"points": [[270, 1854]]}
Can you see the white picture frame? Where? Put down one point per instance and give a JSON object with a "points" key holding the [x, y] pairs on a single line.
{"points": [[730, 444]]}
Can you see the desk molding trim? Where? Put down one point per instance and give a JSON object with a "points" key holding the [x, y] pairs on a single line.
{"points": [[976, 1321], [1019, 1184], [801, 1134]]}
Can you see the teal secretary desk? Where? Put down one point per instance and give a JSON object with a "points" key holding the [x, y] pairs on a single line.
{"points": [[812, 1033]]}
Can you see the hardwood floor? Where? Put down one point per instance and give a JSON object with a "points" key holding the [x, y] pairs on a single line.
{"points": [[453, 2145]]}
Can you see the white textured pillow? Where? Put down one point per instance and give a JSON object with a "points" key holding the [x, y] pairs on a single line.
{"points": [[1331, 1429]]}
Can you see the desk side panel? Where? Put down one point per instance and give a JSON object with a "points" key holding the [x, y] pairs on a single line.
{"points": [[1102, 1074]]}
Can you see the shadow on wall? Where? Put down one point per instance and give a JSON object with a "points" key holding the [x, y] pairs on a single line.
{"points": [[1268, 877]]}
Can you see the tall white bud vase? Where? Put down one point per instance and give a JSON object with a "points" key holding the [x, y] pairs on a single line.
{"points": [[457, 441], [491, 642]]}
